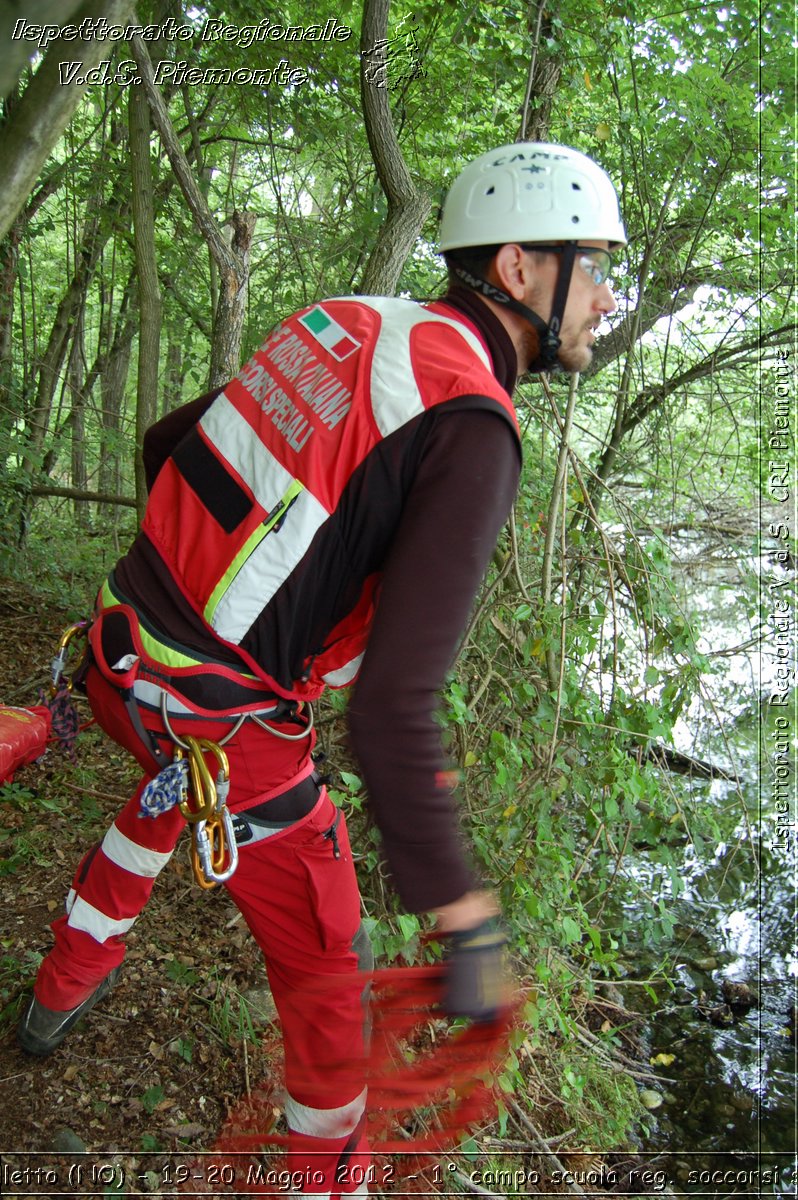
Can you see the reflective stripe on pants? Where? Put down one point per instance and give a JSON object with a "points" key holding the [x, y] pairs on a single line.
{"points": [[301, 902]]}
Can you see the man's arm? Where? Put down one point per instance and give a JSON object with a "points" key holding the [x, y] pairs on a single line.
{"points": [[460, 498]]}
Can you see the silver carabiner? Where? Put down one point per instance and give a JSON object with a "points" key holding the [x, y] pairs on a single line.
{"points": [[204, 850], [232, 848]]}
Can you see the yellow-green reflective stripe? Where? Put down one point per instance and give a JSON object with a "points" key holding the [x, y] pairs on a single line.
{"points": [[254, 540], [165, 654], [108, 597], [235, 566], [161, 653]]}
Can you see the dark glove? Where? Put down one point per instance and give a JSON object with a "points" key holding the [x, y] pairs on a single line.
{"points": [[475, 981]]}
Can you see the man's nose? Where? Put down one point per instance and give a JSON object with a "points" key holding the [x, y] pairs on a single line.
{"points": [[605, 299]]}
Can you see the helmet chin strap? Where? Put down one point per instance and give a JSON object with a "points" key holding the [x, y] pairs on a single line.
{"points": [[547, 331]]}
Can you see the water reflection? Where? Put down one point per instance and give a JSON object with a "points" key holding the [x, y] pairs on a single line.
{"points": [[731, 1089]]}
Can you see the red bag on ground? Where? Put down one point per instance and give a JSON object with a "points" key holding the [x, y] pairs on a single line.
{"points": [[23, 737]]}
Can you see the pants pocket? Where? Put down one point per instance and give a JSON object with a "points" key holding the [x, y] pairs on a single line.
{"points": [[332, 883]]}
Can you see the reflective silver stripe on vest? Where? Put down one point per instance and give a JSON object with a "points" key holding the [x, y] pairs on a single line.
{"points": [[267, 568], [395, 395], [232, 434], [152, 695], [345, 674], [275, 557]]}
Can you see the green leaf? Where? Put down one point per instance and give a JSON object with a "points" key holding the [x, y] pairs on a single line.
{"points": [[571, 931], [152, 1098], [408, 924]]}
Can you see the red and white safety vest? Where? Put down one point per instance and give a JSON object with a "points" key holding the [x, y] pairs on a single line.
{"points": [[253, 512]]}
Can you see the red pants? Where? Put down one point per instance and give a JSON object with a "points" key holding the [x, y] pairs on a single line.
{"points": [[299, 898]]}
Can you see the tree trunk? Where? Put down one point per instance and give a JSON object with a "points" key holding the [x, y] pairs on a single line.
{"points": [[408, 205], [77, 389], [231, 309], [114, 373], [543, 79], [38, 417], [149, 291], [205, 174], [172, 392], [17, 51], [233, 262], [9, 259], [48, 104]]}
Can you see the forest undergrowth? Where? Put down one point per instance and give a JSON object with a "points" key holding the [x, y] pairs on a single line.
{"points": [[188, 1033]]}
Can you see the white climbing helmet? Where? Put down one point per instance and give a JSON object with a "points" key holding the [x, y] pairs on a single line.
{"points": [[531, 192]]}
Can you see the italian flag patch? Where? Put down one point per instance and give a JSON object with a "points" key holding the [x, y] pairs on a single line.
{"points": [[329, 334]]}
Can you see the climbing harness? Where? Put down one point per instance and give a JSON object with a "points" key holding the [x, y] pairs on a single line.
{"points": [[185, 780], [202, 799], [153, 676]]}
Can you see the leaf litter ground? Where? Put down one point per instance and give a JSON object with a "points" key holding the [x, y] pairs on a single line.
{"points": [[184, 1045], [158, 1064]]}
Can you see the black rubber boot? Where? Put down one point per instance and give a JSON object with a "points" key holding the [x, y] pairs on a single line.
{"points": [[42, 1029]]}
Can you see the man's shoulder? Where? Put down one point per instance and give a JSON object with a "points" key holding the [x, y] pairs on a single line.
{"points": [[380, 303], [401, 310], [401, 315], [392, 323]]}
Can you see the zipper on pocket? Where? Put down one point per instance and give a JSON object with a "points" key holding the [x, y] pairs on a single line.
{"points": [[331, 835], [271, 523]]}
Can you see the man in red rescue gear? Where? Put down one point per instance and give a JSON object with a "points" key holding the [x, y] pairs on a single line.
{"points": [[325, 520]]}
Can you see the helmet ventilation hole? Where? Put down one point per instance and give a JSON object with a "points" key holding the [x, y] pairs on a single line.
{"points": [[490, 191]]}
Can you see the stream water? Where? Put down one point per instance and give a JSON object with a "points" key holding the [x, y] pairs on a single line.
{"points": [[727, 1124], [729, 1099]]}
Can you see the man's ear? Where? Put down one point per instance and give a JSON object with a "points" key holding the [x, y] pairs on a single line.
{"points": [[512, 270]]}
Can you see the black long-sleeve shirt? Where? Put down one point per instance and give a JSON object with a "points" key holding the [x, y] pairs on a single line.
{"points": [[459, 499]]}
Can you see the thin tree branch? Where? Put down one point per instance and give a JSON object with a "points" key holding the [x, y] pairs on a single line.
{"points": [[76, 494], [195, 200], [408, 205]]}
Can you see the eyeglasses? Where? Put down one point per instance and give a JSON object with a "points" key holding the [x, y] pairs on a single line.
{"points": [[594, 261]]}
